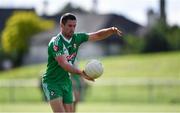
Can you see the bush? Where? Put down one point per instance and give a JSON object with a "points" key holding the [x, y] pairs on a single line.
{"points": [[19, 28], [173, 37], [133, 44], [156, 41]]}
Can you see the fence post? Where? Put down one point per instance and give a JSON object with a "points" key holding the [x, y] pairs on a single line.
{"points": [[114, 94], [11, 91], [150, 91]]}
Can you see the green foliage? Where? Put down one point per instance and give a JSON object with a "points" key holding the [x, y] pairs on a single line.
{"points": [[133, 44], [19, 28], [159, 38], [173, 37], [156, 40]]}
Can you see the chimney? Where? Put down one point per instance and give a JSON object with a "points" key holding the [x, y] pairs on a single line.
{"points": [[163, 11], [94, 7], [152, 18]]}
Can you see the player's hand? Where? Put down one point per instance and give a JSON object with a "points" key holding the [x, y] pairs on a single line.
{"points": [[84, 75], [117, 31]]}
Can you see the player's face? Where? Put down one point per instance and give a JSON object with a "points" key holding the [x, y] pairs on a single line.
{"points": [[69, 28]]}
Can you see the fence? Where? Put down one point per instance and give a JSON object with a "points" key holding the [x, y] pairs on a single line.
{"points": [[110, 89], [138, 90]]}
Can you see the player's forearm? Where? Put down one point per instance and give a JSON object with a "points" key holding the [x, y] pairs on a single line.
{"points": [[102, 34], [62, 61], [68, 67]]}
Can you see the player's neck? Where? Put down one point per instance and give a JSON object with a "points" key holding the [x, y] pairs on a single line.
{"points": [[65, 36]]}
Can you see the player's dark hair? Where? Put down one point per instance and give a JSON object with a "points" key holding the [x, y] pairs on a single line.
{"points": [[67, 16]]}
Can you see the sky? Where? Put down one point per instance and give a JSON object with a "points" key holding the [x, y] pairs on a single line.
{"points": [[135, 10]]}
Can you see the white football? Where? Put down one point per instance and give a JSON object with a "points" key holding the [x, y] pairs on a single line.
{"points": [[94, 68]]}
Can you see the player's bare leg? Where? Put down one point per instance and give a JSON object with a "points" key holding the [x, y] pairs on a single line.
{"points": [[77, 98], [57, 105], [69, 108]]}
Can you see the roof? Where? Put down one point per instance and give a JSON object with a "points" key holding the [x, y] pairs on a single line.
{"points": [[90, 23]]}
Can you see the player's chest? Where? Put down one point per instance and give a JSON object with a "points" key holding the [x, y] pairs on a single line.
{"points": [[70, 48]]}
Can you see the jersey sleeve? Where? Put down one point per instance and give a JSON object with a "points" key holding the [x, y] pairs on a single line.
{"points": [[56, 49], [82, 37]]}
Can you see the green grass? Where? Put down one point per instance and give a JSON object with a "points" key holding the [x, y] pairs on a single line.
{"points": [[20, 94], [118, 94], [93, 107], [27, 72], [115, 107], [161, 66], [133, 94]]}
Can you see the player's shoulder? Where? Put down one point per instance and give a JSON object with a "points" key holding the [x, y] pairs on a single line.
{"points": [[80, 34], [55, 40]]}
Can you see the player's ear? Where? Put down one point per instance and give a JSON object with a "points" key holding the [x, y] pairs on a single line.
{"points": [[61, 25]]}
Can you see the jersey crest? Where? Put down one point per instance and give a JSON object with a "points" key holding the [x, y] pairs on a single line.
{"points": [[75, 46], [56, 48]]}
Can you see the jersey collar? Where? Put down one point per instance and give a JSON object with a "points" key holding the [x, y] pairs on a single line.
{"points": [[65, 39]]}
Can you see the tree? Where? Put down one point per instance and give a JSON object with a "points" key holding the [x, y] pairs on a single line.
{"points": [[173, 37], [156, 40], [19, 28], [133, 44], [163, 11]]}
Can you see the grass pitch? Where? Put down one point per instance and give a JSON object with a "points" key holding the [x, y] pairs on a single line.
{"points": [[94, 107]]}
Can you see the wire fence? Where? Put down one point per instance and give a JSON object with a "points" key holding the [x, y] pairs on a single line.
{"points": [[98, 82], [106, 89]]}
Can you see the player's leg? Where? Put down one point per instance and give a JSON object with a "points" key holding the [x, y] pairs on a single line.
{"points": [[77, 98], [54, 95], [68, 97], [78, 85], [57, 105], [69, 108]]}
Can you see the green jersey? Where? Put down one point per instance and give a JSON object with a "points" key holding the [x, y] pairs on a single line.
{"points": [[59, 45]]}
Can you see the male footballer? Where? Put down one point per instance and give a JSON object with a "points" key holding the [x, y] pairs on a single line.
{"points": [[62, 51]]}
